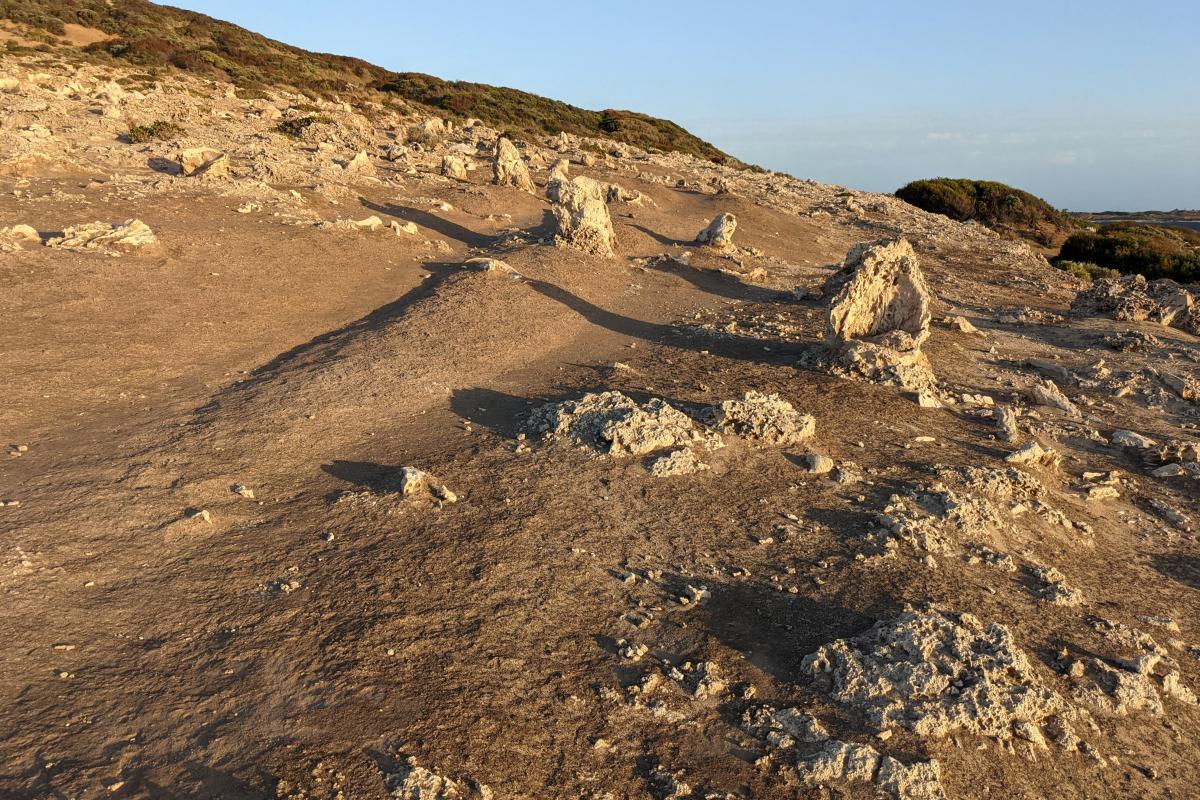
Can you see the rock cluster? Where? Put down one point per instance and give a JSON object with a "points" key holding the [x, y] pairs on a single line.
{"points": [[618, 425], [935, 673], [1132, 298], [822, 760], [105, 237], [762, 417]]}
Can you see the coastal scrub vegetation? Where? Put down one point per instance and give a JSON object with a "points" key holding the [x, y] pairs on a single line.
{"points": [[1152, 250], [990, 203]]}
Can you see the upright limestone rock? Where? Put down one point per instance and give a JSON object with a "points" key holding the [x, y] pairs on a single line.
{"points": [[879, 316], [454, 166], [201, 162], [509, 169], [581, 214], [719, 233]]}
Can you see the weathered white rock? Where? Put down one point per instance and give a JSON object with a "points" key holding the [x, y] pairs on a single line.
{"points": [[1048, 394], [719, 233], [1131, 439], [18, 237], [130, 235], [618, 425], [454, 166], [581, 215], [201, 162], [509, 168], [764, 418], [490, 265]]}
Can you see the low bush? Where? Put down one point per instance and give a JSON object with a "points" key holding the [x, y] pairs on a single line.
{"points": [[989, 203], [159, 130], [1152, 250]]}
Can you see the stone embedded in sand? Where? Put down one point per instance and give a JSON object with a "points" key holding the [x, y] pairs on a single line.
{"points": [[1131, 439], [17, 237], [1132, 298], [581, 215], [618, 425], [816, 463], [821, 760], [202, 162], [935, 673], [454, 166], [1032, 452], [509, 169], [1053, 587], [400, 229], [678, 462], [762, 417], [1048, 394], [417, 484], [414, 782], [129, 235], [719, 233], [491, 265]]}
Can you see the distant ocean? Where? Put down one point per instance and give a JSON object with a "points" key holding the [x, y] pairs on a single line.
{"points": [[1194, 224]]}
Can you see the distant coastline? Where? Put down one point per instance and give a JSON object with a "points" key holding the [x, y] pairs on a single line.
{"points": [[1170, 219]]}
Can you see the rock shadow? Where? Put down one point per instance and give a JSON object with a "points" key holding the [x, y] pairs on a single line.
{"points": [[1180, 567], [441, 225]]}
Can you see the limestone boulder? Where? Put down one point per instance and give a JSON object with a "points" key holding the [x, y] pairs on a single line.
{"points": [[581, 215], [509, 168]]}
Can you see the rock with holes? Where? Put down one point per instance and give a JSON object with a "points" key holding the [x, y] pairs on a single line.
{"points": [[581, 215], [618, 425], [761, 417]]}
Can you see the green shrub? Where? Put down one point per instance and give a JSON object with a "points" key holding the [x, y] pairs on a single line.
{"points": [[296, 126], [159, 130], [1086, 272], [1151, 250], [990, 203]]}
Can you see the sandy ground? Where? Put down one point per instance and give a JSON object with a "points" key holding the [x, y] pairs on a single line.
{"points": [[308, 641]]}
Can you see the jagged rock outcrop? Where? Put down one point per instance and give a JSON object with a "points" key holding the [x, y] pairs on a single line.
{"points": [[879, 316], [581, 215], [719, 233], [508, 168], [1132, 298], [935, 673]]}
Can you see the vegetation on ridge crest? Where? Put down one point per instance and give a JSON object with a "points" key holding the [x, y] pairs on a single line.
{"points": [[150, 36], [996, 205]]}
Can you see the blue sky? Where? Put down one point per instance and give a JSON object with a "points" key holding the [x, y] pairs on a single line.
{"points": [[1092, 105]]}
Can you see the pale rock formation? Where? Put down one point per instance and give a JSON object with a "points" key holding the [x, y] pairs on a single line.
{"points": [[618, 425], [359, 165], [201, 162], [1032, 452], [1048, 394], [418, 484], [581, 215], [490, 265], [1131, 439], [719, 233], [816, 463], [18, 237], [1053, 587], [454, 166], [560, 170], [764, 418], [509, 169], [935, 673], [1006, 424], [677, 462], [130, 235], [879, 316], [414, 782]]}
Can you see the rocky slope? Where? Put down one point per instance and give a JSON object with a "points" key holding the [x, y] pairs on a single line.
{"points": [[391, 458]]}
